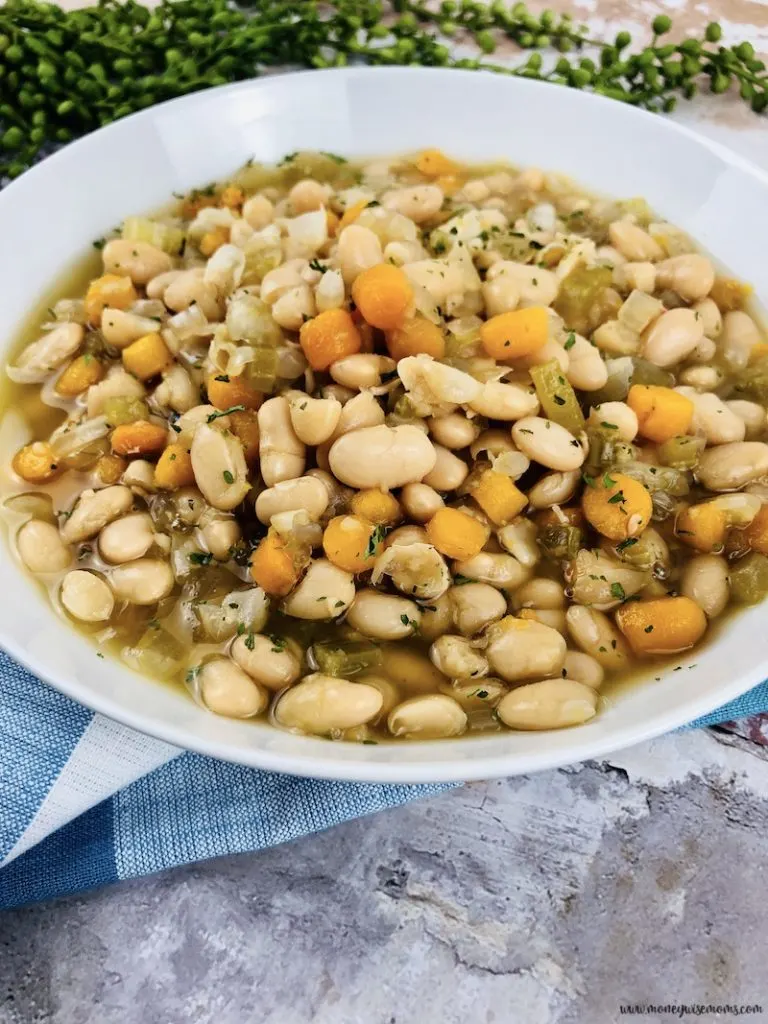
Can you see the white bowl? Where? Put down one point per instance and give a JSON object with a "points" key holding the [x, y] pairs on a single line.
{"points": [[54, 212]]}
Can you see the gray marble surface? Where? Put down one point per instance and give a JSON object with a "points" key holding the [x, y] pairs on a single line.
{"points": [[553, 898]]}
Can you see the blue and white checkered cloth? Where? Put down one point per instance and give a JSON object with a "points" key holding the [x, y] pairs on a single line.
{"points": [[85, 801]]}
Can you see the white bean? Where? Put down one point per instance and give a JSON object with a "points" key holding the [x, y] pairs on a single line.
{"points": [[475, 606], [381, 456], [549, 704], [141, 261], [475, 695], [361, 410], [305, 492], [155, 288], [499, 570], [258, 211], [140, 476], [313, 419], [583, 668], [629, 277], [548, 443], [431, 717], [713, 418], [117, 384], [500, 295], [127, 538], [268, 660], [329, 291], [190, 287], [219, 535], [586, 368], [690, 275], [307, 195], [420, 502], [539, 593], [219, 466], [752, 414], [383, 616], [145, 581], [226, 690], [536, 286], [40, 547], [93, 511], [739, 336], [325, 592], [705, 581], [51, 351], [500, 401], [634, 243], [322, 704], [436, 618], [622, 421], [710, 316], [672, 337], [519, 539], [453, 431], [282, 279], [120, 328], [176, 391], [405, 535], [493, 442], [456, 658], [418, 570], [294, 307], [701, 378], [362, 370], [417, 202], [448, 472], [728, 467], [358, 249], [523, 648], [596, 635], [86, 596], [281, 453]]}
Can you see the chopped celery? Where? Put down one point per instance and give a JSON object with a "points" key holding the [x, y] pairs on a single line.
{"points": [[557, 397], [33, 503], [87, 455], [682, 452], [647, 373], [462, 345], [582, 300], [561, 541], [124, 410], [158, 653], [606, 450], [658, 478], [749, 579], [347, 657], [752, 381], [638, 208], [261, 371], [165, 237]]}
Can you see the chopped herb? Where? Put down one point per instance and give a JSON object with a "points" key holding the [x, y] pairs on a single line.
{"points": [[278, 643], [228, 478], [315, 264], [240, 628], [524, 430], [99, 243], [617, 498], [628, 543], [373, 202], [191, 675], [608, 426], [99, 654], [200, 558], [602, 649], [250, 641], [535, 245], [570, 341], [617, 591], [303, 406], [377, 536], [388, 376], [459, 580], [648, 629], [559, 400], [409, 622], [482, 694], [172, 457], [678, 668], [224, 412], [588, 480], [331, 156], [223, 377], [608, 480], [339, 604], [288, 158]]}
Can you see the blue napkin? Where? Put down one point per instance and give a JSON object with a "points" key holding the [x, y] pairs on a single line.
{"points": [[85, 801]]}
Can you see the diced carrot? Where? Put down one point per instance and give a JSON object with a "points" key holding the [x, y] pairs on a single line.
{"points": [[110, 468], [329, 336], [213, 240], [384, 296], [617, 506], [661, 412], [139, 438], [245, 426], [378, 507], [415, 336], [518, 333], [661, 626], [36, 462], [79, 375], [174, 468], [332, 221], [351, 542], [147, 356], [456, 533], [449, 183], [433, 162], [274, 567], [702, 526], [729, 294], [113, 290], [498, 497], [232, 196], [224, 392]]}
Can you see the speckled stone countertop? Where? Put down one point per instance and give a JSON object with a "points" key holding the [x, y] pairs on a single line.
{"points": [[554, 899]]}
